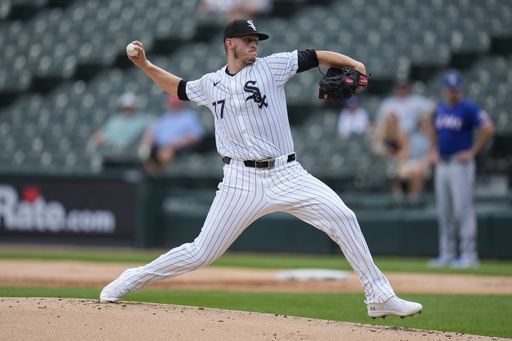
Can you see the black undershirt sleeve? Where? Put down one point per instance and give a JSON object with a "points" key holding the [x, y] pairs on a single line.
{"points": [[307, 60], [182, 93]]}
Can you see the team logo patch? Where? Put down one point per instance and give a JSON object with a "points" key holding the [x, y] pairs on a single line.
{"points": [[363, 80], [255, 94]]}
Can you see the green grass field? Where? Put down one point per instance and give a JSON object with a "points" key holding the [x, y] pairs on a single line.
{"points": [[488, 315]]}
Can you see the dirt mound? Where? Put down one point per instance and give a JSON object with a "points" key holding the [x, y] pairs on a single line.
{"points": [[60, 319], [77, 319]]}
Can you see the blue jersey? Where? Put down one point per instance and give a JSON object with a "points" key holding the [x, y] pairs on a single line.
{"points": [[171, 127], [455, 125]]}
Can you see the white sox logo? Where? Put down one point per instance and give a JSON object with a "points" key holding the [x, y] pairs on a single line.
{"points": [[256, 94], [251, 25]]}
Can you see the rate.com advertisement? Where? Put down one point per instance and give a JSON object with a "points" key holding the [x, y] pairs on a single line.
{"points": [[67, 207]]}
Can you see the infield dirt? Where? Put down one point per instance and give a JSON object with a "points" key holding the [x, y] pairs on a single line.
{"points": [[78, 319]]}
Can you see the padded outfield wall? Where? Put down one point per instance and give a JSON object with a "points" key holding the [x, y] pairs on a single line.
{"points": [[133, 211]]}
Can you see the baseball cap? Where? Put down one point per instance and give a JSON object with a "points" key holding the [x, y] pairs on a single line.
{"points": [[128, 100], [452, 80], [242, 27]]}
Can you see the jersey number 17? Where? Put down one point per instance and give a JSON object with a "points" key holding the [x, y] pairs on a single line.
{"points": [[221, 105]]}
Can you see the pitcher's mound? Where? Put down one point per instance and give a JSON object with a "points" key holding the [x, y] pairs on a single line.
{"points": [[80, 319]]}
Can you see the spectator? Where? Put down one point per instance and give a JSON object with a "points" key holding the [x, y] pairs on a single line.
{"points": [[415, 170], [453, 152], [171, 135], [122, 130], [353, 119], [235, 9], [391, 142], [255, 8], [407, 107]]}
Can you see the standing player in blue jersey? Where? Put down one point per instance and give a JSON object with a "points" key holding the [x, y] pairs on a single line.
{"points": [[261, 173], [453, 151]]}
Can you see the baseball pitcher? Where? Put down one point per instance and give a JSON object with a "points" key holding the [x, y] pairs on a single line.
{"points": [[261, 171]]}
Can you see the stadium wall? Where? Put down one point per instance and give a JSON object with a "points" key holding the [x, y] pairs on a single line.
{"points": [[147, 213]]}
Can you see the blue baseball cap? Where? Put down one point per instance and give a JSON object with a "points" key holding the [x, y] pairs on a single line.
{"points": [[452, 80]]}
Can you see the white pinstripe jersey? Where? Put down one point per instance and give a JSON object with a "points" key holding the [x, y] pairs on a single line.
{"points": [[251, 118]]}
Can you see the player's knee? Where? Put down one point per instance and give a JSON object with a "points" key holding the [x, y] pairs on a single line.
{"points": [[351, 216], [199, 257], [348, 218]]}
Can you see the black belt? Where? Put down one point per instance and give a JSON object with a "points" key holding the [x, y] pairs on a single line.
{"points": [[265, 164]]}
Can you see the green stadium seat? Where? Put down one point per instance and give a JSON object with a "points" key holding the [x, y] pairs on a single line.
{"points": [[59, 52]]}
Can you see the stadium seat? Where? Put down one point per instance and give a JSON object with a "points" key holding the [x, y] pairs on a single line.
{"points": [[60, 76]]}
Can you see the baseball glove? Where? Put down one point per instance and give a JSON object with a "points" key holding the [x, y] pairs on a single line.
{"points": [[340, 84]]}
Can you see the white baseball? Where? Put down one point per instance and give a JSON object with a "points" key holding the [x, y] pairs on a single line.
{"points": [[131, 51]]}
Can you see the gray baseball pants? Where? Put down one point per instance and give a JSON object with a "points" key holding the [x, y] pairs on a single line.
{"points": [[454, 182]]}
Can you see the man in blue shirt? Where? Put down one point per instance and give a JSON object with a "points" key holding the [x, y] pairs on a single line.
{"points": [[453, 153], [172, 134]]}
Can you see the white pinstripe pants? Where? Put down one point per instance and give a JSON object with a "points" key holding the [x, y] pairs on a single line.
{"points": [[246, 194]]}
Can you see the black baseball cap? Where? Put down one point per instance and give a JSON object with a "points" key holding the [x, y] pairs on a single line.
{"points": [[242, 27]]}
